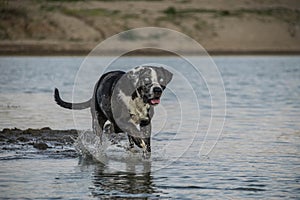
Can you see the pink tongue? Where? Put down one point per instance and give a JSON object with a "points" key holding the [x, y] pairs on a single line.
{"points": [[155, 101]]}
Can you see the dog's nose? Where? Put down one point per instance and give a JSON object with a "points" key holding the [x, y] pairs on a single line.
{"points": [[157, 90]]}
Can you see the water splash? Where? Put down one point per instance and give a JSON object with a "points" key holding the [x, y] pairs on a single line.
{"points": [[89, 145], [114, 147]]}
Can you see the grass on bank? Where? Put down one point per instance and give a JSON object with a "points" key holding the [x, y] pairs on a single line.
{"points": [[285, 14]]}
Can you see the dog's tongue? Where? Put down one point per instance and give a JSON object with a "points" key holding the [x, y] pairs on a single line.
{"points": [[155, 101]]}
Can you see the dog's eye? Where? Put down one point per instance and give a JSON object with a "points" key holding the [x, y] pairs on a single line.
{"points": [[147, 79], [161, 80]]}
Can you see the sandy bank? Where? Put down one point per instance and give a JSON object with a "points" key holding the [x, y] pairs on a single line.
{"points": [[44, 27]]}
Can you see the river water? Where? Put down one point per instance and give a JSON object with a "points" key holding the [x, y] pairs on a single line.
{"points": [[257, 154]]}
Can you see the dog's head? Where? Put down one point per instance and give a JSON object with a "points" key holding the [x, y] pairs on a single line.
{"points": [[149, 82]]}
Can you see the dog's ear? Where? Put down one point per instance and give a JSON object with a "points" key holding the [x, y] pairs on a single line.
{"points": [[167, 76]]}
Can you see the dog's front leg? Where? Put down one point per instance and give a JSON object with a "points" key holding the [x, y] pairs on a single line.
{"points": [[147, 140], [139, 137], [131, 141], [144, 143]]}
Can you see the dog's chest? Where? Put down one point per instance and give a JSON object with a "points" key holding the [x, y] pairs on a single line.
{"points": [[138, 110]]}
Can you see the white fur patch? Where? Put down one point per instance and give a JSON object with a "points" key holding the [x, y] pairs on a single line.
{"points": [[153, 76], [138, 110], [137, 69], [143, 144], [124, 98], [135, 74], [154, 79]]}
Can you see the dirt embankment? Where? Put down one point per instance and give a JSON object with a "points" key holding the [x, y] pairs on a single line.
{"points": [[221, 26]]}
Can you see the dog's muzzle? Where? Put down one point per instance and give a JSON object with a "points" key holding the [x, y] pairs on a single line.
{"points": [[155, 95]]}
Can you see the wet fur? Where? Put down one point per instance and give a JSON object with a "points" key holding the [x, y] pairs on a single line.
{"points": [[134, 112]]}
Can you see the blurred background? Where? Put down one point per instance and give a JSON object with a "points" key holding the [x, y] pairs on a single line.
{"points": [[221, 26]]}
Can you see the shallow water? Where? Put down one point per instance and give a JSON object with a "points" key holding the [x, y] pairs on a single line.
{"points": [[257, 155]]}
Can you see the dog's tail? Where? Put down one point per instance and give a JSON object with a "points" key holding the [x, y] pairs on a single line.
{"points": [[74, 106]]}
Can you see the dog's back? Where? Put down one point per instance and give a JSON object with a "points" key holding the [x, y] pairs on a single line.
{"points": [[104, 90]]}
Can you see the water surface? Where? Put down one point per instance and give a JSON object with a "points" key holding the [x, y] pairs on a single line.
{"points": [[257, 155]]}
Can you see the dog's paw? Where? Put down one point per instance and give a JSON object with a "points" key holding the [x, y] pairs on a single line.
{"points": [[132, 150], [146, 155]]}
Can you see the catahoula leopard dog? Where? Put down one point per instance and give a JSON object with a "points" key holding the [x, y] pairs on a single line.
{"points": [[126, 100]]}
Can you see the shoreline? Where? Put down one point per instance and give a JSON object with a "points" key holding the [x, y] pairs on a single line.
{"points": [[78, 52], [32, 48]]}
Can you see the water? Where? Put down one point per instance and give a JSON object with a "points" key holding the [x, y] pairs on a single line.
{"points": [[257, 155]]}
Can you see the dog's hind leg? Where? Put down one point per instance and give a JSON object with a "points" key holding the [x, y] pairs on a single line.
{"points": [[98, 124], [98, 120]]}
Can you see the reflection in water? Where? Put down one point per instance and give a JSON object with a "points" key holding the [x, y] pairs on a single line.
{"points": [[133, 182]]}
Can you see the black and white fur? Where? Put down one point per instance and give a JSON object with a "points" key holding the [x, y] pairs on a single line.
{"points": [[126, 100]]}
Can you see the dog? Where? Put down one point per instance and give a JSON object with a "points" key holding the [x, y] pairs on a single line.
{"points": [[126, 100]]}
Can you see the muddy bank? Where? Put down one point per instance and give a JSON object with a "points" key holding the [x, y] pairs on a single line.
{"points": [[17, 143]]}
